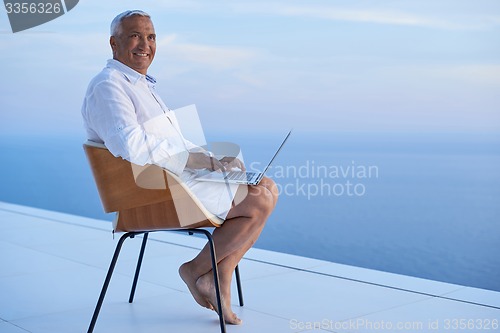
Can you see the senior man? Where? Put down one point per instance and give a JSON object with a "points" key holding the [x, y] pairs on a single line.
{"points": [[119, 101]]}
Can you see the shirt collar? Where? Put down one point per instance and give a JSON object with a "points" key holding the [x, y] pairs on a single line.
{"points": [[131, 75]]}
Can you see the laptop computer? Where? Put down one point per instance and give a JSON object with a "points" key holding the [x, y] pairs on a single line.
{"points": [[241, 177]]}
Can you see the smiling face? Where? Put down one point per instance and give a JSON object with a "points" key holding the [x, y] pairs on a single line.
{"points": [[135, 43]]}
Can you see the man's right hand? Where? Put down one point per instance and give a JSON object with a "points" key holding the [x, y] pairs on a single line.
{"points": [[204, 161]]}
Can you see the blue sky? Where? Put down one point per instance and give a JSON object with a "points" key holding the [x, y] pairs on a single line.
{"points": [[376, 66]]}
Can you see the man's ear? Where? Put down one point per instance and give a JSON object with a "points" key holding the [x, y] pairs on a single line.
{"points": [[112, 43]]}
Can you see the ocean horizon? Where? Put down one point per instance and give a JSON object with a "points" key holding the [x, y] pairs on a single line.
{"points": [[424, 205]]}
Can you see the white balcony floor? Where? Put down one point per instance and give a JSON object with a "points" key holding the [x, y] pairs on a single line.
{"points": [[52, 267]]}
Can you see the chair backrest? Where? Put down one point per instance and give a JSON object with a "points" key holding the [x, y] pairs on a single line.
{"points": [[116, 184], [160, 202]]}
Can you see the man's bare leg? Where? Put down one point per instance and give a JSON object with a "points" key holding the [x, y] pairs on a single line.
{"points": [[240, 231], [206, 287], [191, 271], [227, 265]]}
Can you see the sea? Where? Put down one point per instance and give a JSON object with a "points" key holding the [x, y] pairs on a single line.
{"points": [[419, 204]]}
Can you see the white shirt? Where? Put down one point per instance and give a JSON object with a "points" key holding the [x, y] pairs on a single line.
{"points": [[122, 110], [118, 110]]}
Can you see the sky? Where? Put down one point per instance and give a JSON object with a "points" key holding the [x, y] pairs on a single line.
{"points": [[315, 65]]}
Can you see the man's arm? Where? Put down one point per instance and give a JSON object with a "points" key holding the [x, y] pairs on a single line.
{"points": [[111, 114]]}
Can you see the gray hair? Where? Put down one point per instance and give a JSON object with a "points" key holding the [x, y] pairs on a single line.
{"points": [[116, 23]]}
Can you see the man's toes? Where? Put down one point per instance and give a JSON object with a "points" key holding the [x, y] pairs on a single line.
{"points": [[233, 319]]}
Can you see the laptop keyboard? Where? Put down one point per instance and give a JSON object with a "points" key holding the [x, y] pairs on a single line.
{"points": [[239, 175]]}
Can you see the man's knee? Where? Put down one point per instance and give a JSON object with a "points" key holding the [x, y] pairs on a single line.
{"points": [[256, 202], [265, 196], [270, 190]]}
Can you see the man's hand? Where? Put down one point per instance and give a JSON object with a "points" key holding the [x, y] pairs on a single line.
{"points": [[232, 163], [205, 161]]}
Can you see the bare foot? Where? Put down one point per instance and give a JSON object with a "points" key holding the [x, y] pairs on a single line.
{"points": [[190, 281], [206, 288]]}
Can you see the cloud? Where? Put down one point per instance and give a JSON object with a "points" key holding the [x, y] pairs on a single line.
{"points": [[62, 51], [388, 16], [212, 57], [474, 73]]}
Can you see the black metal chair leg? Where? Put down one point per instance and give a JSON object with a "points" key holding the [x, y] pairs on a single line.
{"points": [[108, 278], [238, 284], [138, 268], [216, 282], [215, 272]]}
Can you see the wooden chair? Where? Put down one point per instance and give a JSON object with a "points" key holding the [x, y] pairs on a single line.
{"points": [[148, 199]]}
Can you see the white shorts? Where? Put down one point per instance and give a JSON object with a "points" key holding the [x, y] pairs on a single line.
{"points": [[216, 197]]}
